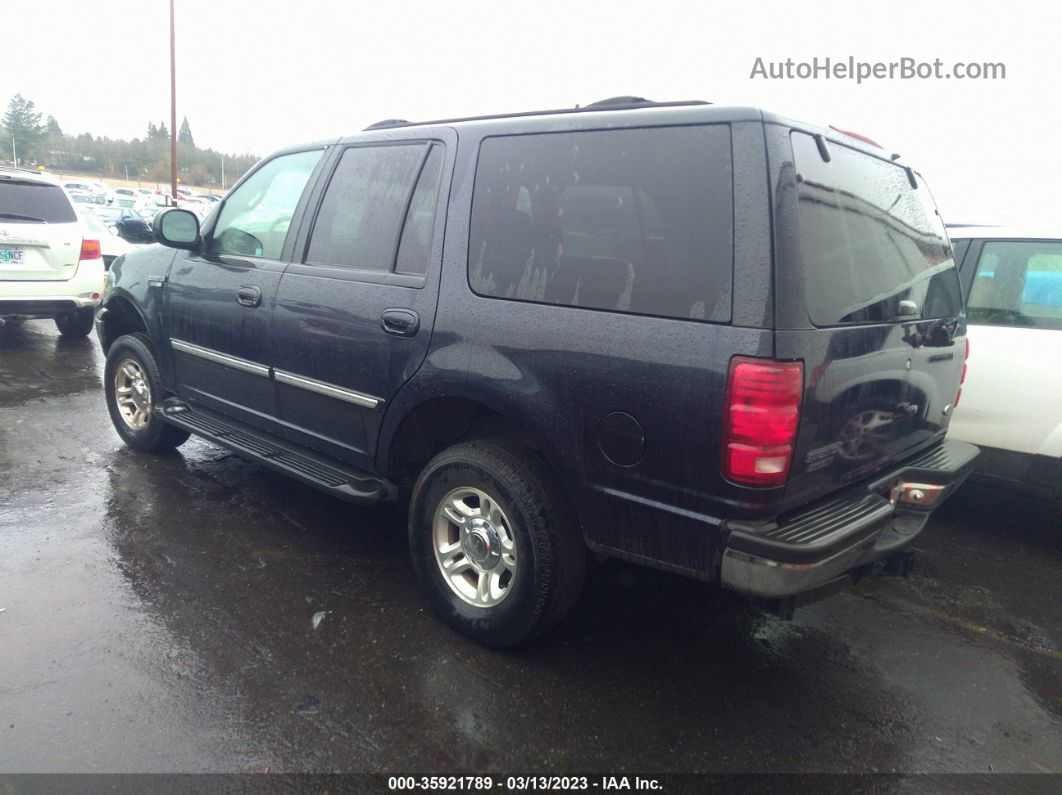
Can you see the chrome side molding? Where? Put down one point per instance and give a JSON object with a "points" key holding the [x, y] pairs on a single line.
{"points": [[220, 358], [321, 388]]}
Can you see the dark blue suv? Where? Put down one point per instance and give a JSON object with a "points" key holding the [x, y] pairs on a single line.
{"points": [[706, 339]]}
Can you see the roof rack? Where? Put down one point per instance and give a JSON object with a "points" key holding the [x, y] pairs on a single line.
{"points": [[383, 125], [612, 103]]}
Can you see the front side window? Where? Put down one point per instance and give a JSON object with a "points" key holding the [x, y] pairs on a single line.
{"points": [[637, 221], [255, 219], [1018, 283], [364, 207]]}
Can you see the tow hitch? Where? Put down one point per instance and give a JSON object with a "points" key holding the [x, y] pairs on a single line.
{"points": [[899, 565]]}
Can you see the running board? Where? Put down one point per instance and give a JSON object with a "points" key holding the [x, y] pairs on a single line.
{"points": [[339, 479]]}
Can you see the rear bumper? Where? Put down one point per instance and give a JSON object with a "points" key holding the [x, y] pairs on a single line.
{"points": [[51, 298], [820, 544]]}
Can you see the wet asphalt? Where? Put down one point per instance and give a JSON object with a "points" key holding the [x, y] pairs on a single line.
{"points": [[158, 616]]}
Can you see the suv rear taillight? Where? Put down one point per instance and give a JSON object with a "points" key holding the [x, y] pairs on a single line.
{"points": [[962, 378], [90, 249], [760, 419]]}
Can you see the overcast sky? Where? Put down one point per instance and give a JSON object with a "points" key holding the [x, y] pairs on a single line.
{"points": [[256, 75]]}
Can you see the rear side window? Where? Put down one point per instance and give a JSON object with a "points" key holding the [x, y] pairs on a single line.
{"points": [[869, 240], [637, 221], [25, 202], [1018, 283], [375, 193]]}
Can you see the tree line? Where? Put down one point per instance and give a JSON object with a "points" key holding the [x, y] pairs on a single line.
{"points": [[31, 140]]}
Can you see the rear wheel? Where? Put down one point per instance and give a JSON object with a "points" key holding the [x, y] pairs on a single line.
{"points": [[134, 388], [494, 543], [77, 323]]}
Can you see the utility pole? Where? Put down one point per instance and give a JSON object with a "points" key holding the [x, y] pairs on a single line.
{"points": [[173, 108], [223, 172], [14, 154]]}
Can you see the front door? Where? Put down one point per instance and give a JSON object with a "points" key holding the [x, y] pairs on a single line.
{"points": [[219, 302], [355, 309]]}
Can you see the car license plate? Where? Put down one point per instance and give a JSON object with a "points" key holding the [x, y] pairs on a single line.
{"points": [[10, 256]]}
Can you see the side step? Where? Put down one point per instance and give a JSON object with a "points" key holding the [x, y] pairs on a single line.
{"points": [[340, 480]]}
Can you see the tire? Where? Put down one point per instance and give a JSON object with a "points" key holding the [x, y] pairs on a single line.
{"points": [[145, 432], [77, 323], [548, 561]]}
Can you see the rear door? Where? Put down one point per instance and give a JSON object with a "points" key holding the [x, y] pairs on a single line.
{"points": [[40, 238], [869, 300], [355, 310]]}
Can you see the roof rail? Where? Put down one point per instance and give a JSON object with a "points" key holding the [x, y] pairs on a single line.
{"points": [[615, 103], [604, 103], [383, 125]]}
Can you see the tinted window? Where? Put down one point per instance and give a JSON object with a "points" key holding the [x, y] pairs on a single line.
{"points": [[415, 248], [37, 201], [362, 210], [626, 220], [868, 239], [1018, 283], [255, 219]]}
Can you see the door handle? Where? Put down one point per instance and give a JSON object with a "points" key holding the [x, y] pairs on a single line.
{"points": [[249, 296], [400, 322]]}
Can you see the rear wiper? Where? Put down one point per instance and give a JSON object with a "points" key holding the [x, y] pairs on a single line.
{"points": [[21, 217]]}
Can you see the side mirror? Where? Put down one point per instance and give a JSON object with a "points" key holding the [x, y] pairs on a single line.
{"points": [[906, 309], [177, 229]]}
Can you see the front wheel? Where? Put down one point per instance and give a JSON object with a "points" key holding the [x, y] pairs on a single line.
{"points": [[134, 388], [77, 323], [494, 543]]}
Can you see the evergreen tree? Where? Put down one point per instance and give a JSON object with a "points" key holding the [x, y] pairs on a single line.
{"points": [[51, 126], [185, 135], [163, 132], [153, 131], [22, 128]]}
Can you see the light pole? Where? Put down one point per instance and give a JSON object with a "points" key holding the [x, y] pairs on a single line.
{"points": [[223, 173], [173, 108]]}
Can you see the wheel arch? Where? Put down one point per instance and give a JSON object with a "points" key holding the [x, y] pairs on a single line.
{"points": [[122, 316]]}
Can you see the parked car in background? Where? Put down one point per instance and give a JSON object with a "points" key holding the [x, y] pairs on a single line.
{"points": [[1011, 403], [127, 197], [85, 197], [577, 367], [111, 246], [127, 224], [149, 211], [90, 187], [49, 266]]}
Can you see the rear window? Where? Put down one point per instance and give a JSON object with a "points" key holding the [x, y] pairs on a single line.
{"points": [[869, 240], [637, 221], [34, 202]]}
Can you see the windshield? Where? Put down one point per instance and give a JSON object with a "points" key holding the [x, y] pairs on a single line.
{"points": [[869, 240], [26, 202]]}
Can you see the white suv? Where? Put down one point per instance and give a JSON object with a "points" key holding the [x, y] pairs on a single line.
{"points": [[48, 267], [1011, 404]]}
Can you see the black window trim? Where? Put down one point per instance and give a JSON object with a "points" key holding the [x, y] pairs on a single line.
{"points": [[729, 124], [300, 264]]}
